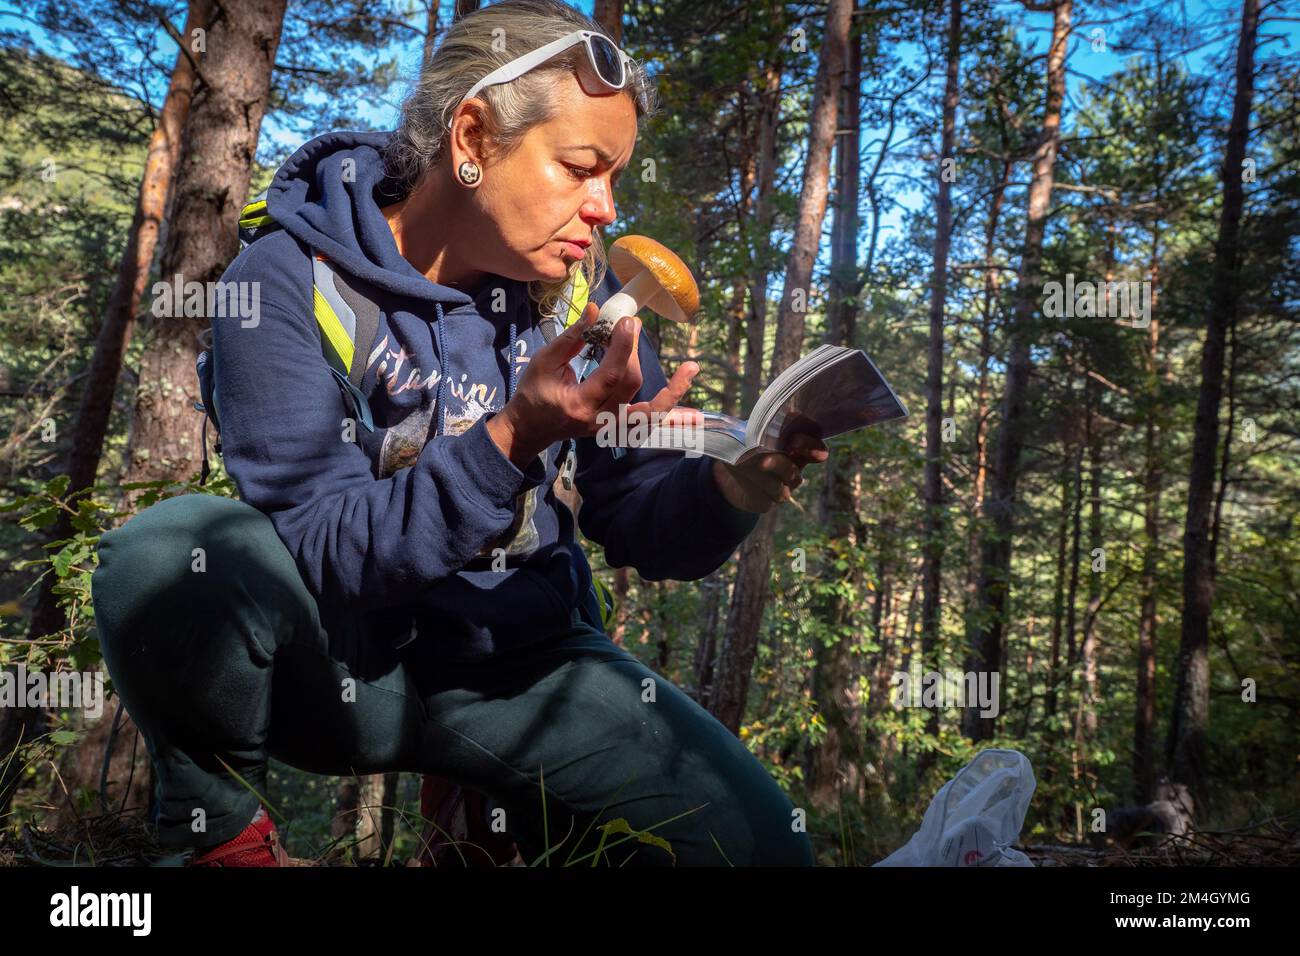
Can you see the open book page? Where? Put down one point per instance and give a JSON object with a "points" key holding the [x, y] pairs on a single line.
{"points": [[722, 436], [829, 391], [784, 385], [848, 393], [715, 434]]}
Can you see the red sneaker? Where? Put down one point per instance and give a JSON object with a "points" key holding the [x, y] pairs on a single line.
{"points": [[258, 845]]}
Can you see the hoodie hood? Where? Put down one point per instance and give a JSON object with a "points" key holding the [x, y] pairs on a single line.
{"points": [[330, 193]]}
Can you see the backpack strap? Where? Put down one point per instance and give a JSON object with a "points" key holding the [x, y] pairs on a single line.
{"points": [[355, 312], [575, 294], [345, 317], [254, 220]]}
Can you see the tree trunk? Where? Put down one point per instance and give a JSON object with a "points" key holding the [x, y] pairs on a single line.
{"points": [[343, 825], [127, 787], [981, 456], [1085, 716], [375, 816], [133, 270], [1086, 729], [432, 27], [932, 570], [96, 405], [882, 627], [609, 14], [714, 587], [662, 627], [1225, 456], [830, 763], [735, 332], [706, 650], [1058, 598], [1088, 652], [753, 577], [219, 143], [1030, 625], [1076, 538], [1185, 745], [996, 536], [1152, 485], [768, 160]]}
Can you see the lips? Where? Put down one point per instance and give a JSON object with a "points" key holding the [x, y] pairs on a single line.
{"points": [[576, 247]]}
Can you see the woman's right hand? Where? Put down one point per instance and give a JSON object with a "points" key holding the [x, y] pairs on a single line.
{"points": [[550, 404]]}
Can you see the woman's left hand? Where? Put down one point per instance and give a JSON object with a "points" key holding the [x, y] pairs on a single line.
{"points": [[768, 479]]}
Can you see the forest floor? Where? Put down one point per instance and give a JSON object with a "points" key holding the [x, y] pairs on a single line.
{"points": [[113, 839], [124, 839], [1271, 844]]}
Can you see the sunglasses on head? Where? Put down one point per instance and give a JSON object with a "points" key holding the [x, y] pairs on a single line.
{"points": [[608, 62]]}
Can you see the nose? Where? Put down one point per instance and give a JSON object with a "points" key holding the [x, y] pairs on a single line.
{"points": [[598, 208]]}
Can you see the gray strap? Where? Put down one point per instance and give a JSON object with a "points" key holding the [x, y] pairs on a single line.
{"points": [[366, 311]]}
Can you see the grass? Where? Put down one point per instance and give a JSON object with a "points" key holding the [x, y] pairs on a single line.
{"points": [[124, 837]]}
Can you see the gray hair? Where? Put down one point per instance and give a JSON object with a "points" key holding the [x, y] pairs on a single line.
{"points": [[473, 47]]}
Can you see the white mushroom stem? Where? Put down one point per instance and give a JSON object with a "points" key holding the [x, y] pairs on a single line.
{"points": [[631, 298]]}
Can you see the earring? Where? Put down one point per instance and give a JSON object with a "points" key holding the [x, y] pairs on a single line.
{"points": [[468, 173]]}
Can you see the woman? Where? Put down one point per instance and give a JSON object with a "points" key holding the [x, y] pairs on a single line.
{"points": [[412, 597]]}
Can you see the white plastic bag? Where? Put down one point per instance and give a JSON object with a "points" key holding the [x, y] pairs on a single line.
{"points": [[975, 816]]}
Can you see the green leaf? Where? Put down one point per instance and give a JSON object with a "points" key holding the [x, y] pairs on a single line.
{"points": [[622, 826], [40, 518], [88, 516], [69, 556]]}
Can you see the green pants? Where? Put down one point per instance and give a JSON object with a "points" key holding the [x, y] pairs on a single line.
{"points": [[218, 651]]}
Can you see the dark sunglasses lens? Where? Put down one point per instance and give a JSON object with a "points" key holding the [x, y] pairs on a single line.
{"points": [[608, 63]]}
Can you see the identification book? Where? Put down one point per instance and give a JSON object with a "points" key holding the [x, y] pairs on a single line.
{"points": [[830, 391]]}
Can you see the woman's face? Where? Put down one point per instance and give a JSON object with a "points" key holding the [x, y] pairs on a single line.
{"points": [[555, 188]]}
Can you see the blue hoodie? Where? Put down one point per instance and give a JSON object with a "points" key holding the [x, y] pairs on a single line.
{"points": [[395, 531]]}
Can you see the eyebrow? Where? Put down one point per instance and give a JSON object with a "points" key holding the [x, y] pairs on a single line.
{"points": [[600, 153]]}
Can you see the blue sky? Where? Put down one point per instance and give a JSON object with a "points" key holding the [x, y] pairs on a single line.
{"points": [[910, 193], [384, 114]]}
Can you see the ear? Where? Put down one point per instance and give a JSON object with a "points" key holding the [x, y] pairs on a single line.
{"points": [[468, 131]]}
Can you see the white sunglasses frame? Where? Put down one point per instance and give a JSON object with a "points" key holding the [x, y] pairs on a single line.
{"points": [[520, 65]]}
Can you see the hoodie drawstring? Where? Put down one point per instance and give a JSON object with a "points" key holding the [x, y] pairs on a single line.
{"points": [[442, 371], [513, 367], [442, 366]]}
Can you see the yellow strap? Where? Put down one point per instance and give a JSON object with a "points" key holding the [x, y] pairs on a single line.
{"points": [[579, 296], [606, 602], [254, 215], [332, 329]]}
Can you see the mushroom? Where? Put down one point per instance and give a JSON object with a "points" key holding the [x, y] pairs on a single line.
{"points": [[653, 278]]}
